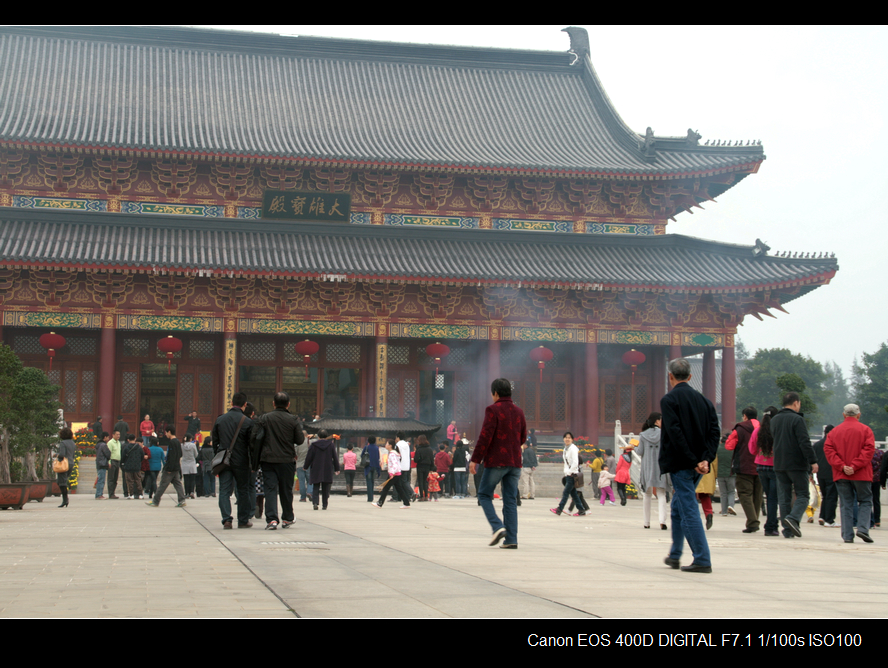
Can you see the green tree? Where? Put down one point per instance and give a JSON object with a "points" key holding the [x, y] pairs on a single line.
{"points": [[10, 365], [35, 408], [831, 410], [792, 382], [758, 381], [870, 389]]}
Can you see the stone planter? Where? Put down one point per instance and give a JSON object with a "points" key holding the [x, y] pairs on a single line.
{"points": [[56, 490], [38, 491], [14, 495]]}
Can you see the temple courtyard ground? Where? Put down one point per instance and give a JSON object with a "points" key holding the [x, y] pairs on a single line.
{"points": [[120, 558]]}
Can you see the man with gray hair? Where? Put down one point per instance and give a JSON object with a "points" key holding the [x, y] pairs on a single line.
{"points": [[849, 450], [689, 443]]}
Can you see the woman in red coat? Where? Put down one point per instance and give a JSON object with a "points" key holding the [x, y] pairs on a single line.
{"points": [[622, 478]]}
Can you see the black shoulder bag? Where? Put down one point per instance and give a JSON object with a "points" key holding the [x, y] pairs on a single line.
{"points": [[222, 459]]}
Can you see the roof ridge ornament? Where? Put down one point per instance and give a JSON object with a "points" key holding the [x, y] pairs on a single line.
{"points": [[579, 43]]}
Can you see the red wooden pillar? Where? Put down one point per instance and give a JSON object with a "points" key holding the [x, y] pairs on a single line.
{"points": [[578, 391], [729, 389], [658, 377], [592, 399], [107, 370], [674, 353], [709, 376]]}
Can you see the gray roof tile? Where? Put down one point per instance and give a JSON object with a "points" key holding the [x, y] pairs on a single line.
{"points": [[227, 93]]}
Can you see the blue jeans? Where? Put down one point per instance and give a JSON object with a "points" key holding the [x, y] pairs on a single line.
{"points": [[461, 483], [509, 476], [864, 491], [787, 483], [570, 490], [305, 488], [686, 522], [370, 479], [228, 480], [100, 482]]}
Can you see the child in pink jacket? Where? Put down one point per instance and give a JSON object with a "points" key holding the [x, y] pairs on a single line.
{"points": [[605, 478]]}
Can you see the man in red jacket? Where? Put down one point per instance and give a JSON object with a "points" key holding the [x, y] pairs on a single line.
{"points": [[499, 449], [849, 450]]}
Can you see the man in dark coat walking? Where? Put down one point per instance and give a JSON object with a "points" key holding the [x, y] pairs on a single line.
{"points": [[793, 455], [689, 444], [323, 460], [277, 456], [499, 449], [172, 471], [238, 473]]}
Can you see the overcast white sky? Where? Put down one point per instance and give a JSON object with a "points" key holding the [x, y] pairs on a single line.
{"points": [[815, 97]]}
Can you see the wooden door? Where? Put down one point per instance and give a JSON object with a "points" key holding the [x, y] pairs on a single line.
{"points": [[546, 404], [402, 394], [617, 403], [195, 391]]}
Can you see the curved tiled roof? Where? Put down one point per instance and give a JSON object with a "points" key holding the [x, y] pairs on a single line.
{"points": [[170, 243], [338, 101]]}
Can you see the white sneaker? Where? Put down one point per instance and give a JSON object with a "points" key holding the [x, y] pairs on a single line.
{"points": [[376, 504], [403, 507], [831, 525], [612, 503]]}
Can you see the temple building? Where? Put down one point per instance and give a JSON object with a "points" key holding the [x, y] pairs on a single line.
{"points": [[244, 193]]}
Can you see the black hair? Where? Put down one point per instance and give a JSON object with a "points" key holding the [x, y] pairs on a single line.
{"points": [[322, 433], [131, 437], [765, 439], [105, 434], [239, 399], [65, 433], [501, 387], [249, 409], [608, 452], [281, 399], [171, 428], [371, 440], [188, 437], [400, 435], [567, 433], [790, 398], [442, 447], [208, 441], [351, 446], [751, 412], [651, 422]]}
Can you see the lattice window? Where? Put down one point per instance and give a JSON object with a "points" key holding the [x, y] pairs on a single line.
{"points": [[409, 395], [24, 344], [290, 354], [546, 402], [55, 377], [528, 396], [87, 391], [81, 345], [262, 351], [70, 387], [205, 393], [640, 402], [439, 411], [128, 395], [135, 347], [560, 402], [186, 393], [392, 400], [439, 381], [399, 355], [625, 404], [343, 353], [457, 356], [463, 406], [201, 350], [610, 402]]}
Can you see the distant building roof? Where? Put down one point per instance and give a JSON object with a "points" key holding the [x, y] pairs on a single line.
{"points": [[325, 101]]}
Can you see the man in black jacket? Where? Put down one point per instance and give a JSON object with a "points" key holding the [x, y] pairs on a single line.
{"points": [[689, 444], [793, 455], [172, 471], [238, 473], [277, 455]]}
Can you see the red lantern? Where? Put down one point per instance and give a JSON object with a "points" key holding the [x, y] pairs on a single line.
{"points": [[169, 345], [306, 349], [437, 351], [541, 355], [52, 342], [633, 358]]}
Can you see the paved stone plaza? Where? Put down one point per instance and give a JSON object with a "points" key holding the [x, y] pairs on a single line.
{"points": [[122, 559]]}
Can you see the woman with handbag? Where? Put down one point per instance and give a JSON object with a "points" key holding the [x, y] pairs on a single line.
{"points": [[64, 462], [571, 456]]}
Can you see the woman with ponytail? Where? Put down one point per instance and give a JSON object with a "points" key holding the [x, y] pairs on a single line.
{"points": [[761, 444], [653, 483]]}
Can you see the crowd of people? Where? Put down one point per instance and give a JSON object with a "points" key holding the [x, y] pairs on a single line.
{"points": [[768, 465]]}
